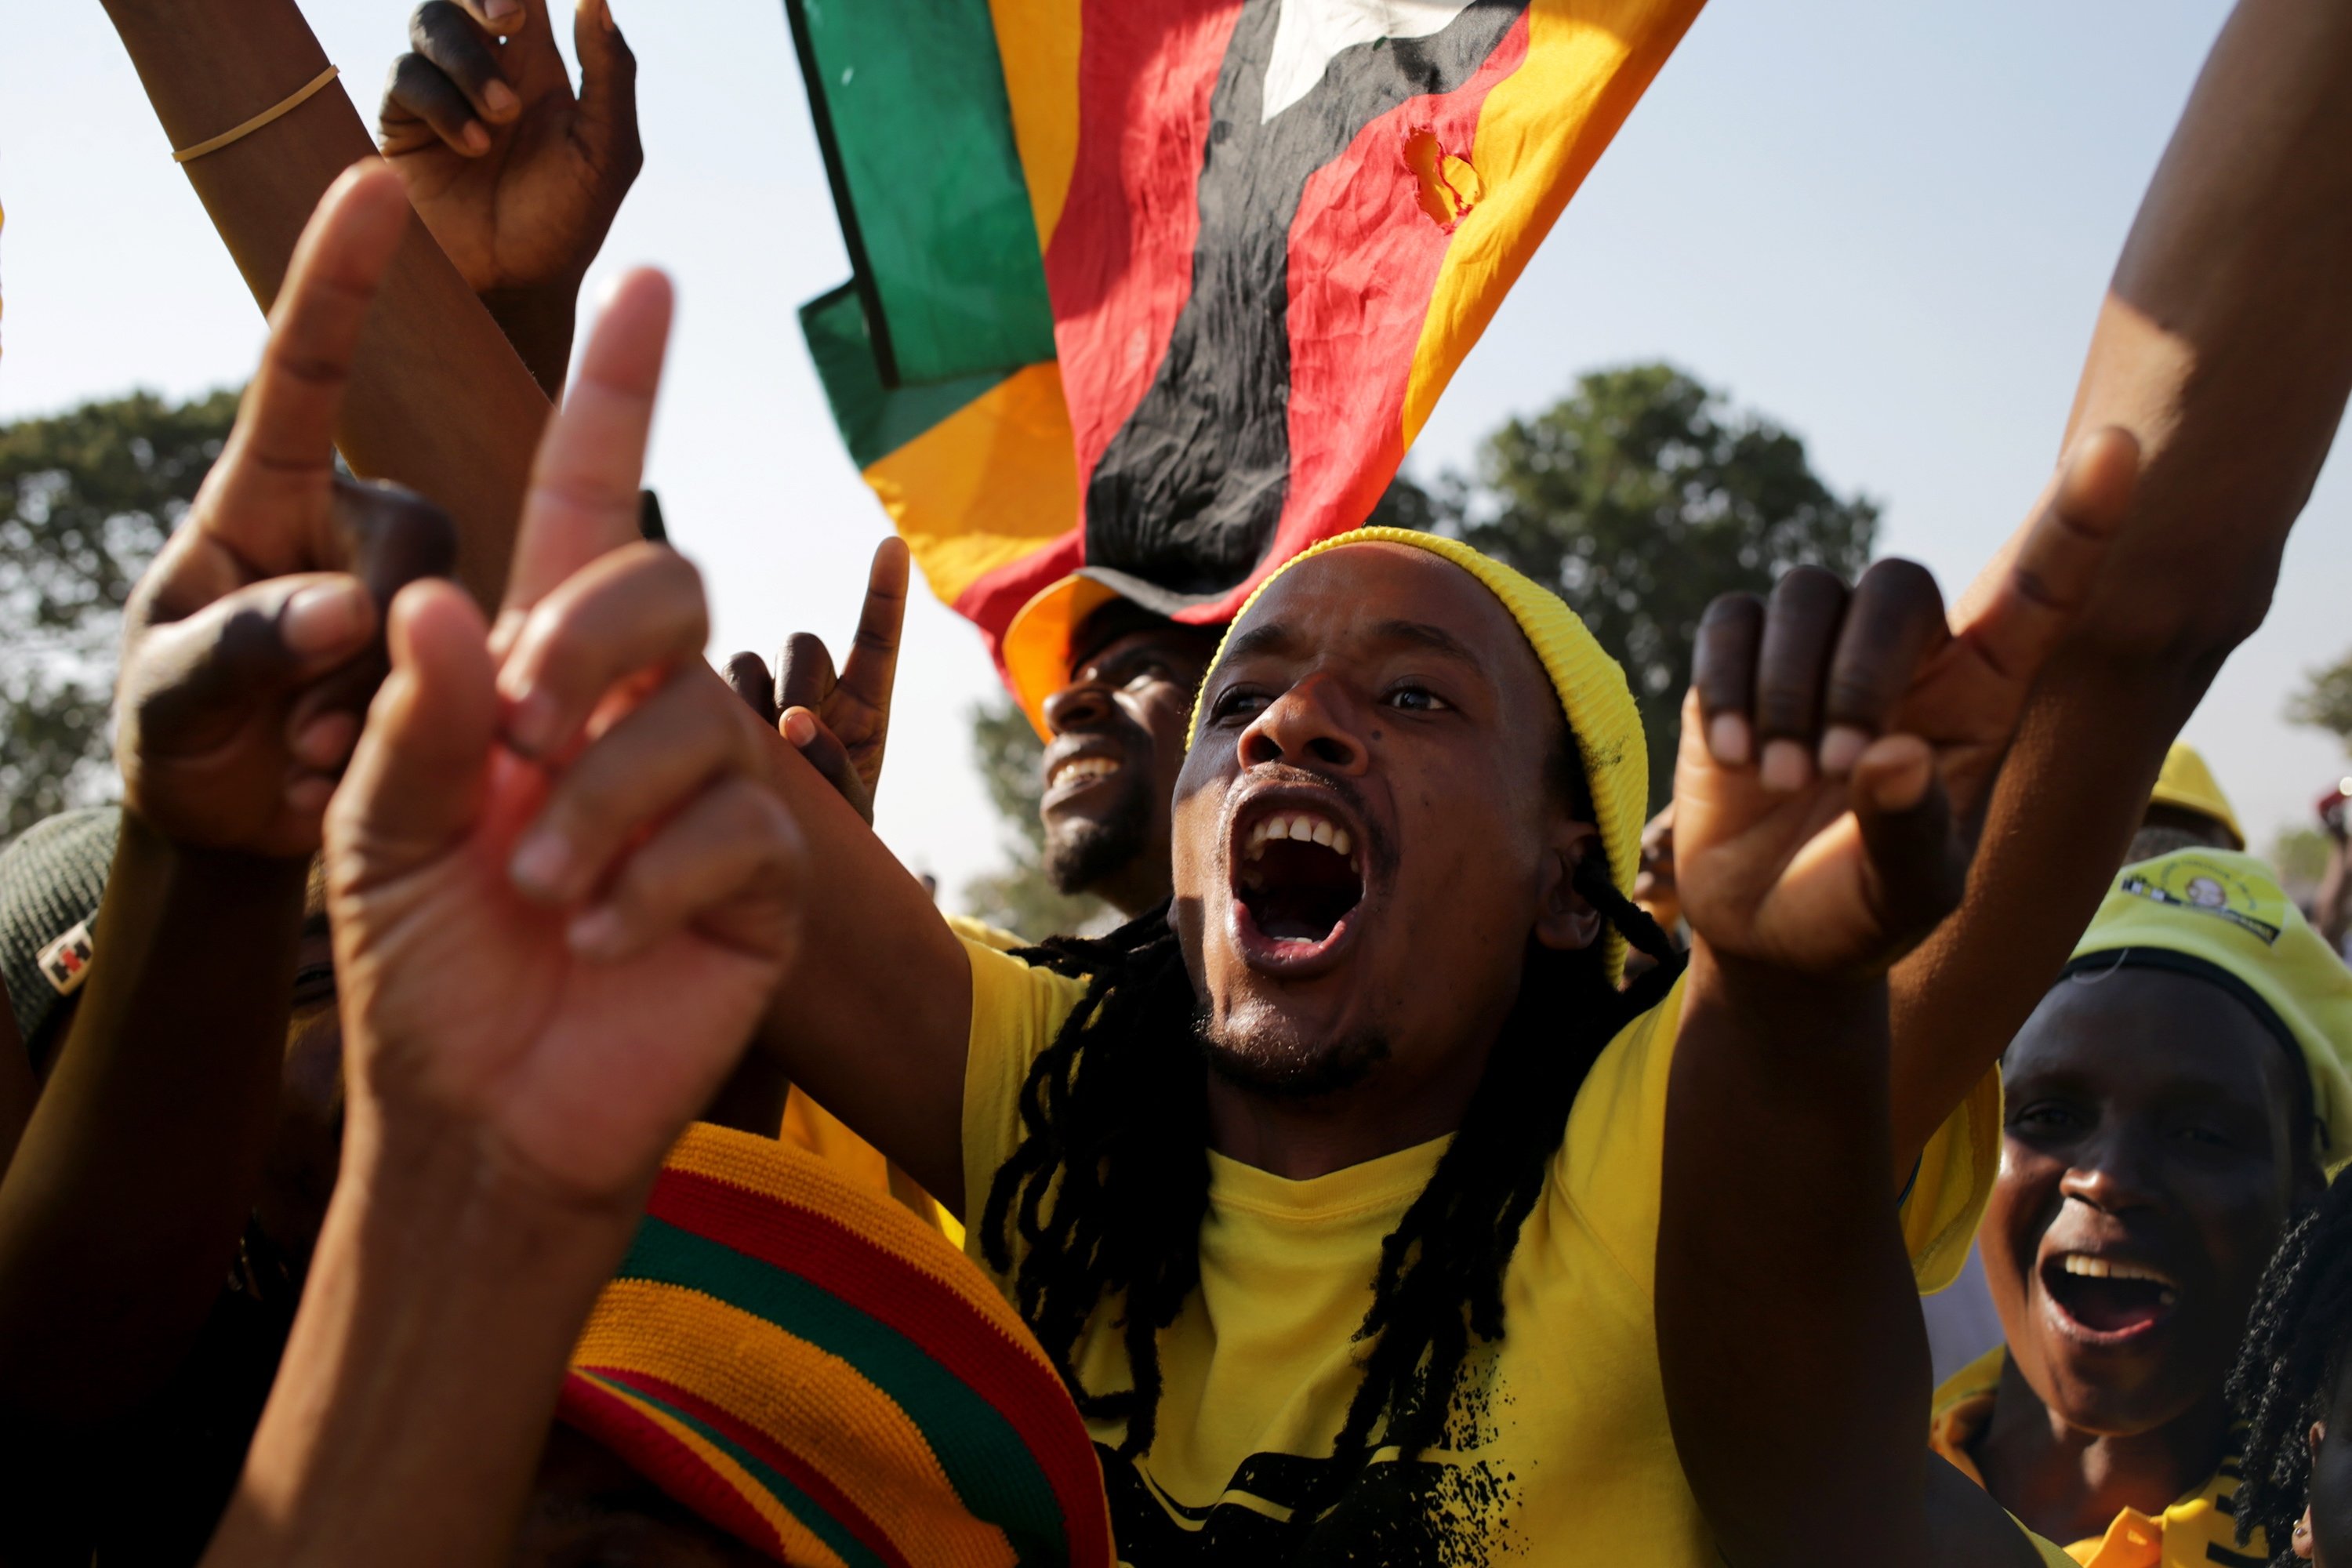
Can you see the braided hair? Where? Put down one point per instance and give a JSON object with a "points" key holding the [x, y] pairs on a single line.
{"points": [[2298, 1346], [1108, 1186]]}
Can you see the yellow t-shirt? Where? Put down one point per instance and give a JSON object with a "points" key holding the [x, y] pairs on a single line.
{"points": [[1559, 1447], [2198, 1530]]}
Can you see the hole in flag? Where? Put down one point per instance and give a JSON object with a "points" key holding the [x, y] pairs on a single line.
{"points": [[1450, 187]]}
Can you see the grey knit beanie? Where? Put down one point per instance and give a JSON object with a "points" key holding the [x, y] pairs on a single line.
{"points": [[51, 875]]}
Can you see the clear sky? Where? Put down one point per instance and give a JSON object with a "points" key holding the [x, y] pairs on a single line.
{"points": [[1886, 226]]}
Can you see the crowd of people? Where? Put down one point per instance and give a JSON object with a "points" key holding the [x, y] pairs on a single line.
{"points": [[486, 1094]]}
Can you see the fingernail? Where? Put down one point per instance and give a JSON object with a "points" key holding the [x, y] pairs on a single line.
{"points": [[1842, 747], [1786, 768], [499, 98], [502, 11], [476, 139], [530, 722], [1726, 737], [323, 617], [540, 863], [799, 728], [598, 933]]}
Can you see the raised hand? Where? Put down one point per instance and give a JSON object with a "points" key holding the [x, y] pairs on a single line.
{"points": [[517, 176], [1838, 748], [252, 645], [840, 723], [560, 883]]}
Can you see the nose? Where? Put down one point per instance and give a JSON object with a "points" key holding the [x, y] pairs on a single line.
{"points": [[1077, 706], [1306, 726], [2113, 1173]]}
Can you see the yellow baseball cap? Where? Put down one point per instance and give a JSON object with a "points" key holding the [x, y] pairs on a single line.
{"points": [[1592, 690], [2187, 784], [2220, 915]]}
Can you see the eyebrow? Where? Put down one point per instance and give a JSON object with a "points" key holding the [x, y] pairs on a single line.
{"points": [[1421, 634], [1277, 638]]}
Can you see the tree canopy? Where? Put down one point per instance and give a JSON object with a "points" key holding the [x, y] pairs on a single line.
{"points": [[1639, 496], [86, 499]]}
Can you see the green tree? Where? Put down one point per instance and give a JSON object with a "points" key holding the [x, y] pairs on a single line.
{"points": [[86, 498], [2326, 701], [1641, 497]]}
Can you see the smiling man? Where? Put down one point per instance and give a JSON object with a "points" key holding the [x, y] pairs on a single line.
{"points": [[2170, 1105], [1117, 728]]}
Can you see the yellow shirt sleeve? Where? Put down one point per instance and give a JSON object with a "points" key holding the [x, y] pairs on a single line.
{"points": [[1609, 1164], [1016, 1010]]}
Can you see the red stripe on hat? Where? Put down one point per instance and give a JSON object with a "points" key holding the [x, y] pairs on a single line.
{"points": [[920, 1305], [764, 1446], [657, 1454]]}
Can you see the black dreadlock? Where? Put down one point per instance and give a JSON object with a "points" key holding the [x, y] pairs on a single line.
{"points": [[1109, 1182], [2298, 1345]]}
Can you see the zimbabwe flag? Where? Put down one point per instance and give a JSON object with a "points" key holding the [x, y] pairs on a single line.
{"points": [[1151, 294]]}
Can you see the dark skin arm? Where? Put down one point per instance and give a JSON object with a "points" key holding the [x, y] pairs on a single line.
{"points": [[438, 401], [1801, 1418], [249, 659], [505, 1117], [2225, 347], [516, 176]]}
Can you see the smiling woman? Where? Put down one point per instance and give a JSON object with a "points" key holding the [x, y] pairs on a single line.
{"points": [[2170, 1105]]}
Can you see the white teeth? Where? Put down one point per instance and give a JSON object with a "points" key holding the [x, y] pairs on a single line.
{"points": [[1300, 829], [1084, 768], [2089, 1268]]}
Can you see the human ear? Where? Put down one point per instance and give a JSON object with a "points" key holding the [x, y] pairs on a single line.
{"points": [[1566, 921]]}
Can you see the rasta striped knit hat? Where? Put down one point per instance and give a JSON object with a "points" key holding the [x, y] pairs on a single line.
{"points": [[811, 1368], [1592, 689]]}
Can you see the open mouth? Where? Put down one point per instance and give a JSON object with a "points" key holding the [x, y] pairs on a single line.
{"points": [[2106, 1299], [1300, 875], [1078, 771]]}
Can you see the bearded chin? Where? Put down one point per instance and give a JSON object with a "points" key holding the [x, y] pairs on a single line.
{"points": [[1080, 855], [1272, 1061]]}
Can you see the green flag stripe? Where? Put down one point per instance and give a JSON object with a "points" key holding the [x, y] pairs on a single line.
{"points": [[875, 420], [909, 105]]}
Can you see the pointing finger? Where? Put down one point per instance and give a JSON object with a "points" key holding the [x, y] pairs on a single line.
{"points": [[872, 671], [282, 449], [583, 497]]}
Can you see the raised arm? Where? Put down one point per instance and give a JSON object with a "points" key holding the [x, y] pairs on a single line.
{"points": [[1789, 1338], [438, 400], [247, 662], [2225, 346], [515, 1078]]}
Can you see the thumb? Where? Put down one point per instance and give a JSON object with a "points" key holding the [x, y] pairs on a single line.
{"points": [[1917, 869], [608, 77], [416, 782]]}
